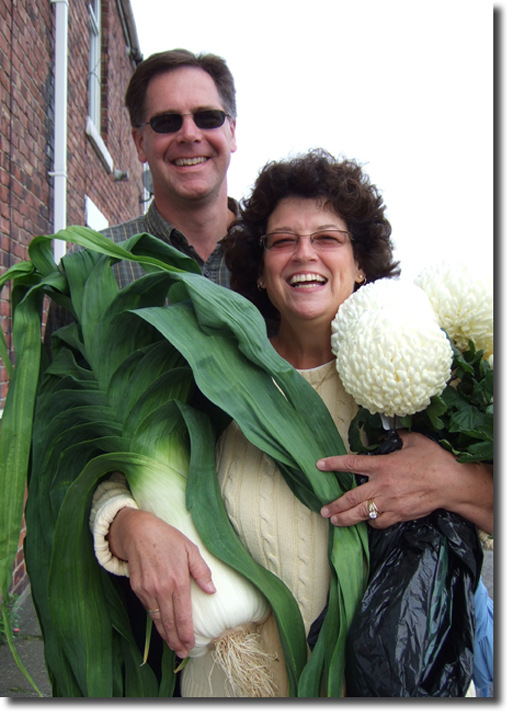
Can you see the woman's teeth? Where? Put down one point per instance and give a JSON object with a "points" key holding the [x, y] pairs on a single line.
{"points": [[307, 280]]}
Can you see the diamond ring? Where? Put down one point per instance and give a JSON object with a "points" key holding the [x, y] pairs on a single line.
{"points": [[373, 510]]}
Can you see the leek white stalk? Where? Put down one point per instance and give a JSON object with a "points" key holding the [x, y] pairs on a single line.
{"points": [[224, 622]]}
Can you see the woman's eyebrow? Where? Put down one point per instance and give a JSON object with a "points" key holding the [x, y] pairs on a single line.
{"points": [[319, 229]]}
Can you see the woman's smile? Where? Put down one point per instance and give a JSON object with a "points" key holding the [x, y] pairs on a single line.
{"points": [[306, 279]]}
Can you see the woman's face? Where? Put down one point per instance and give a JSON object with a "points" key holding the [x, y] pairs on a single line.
{"points": [[306, 282]]}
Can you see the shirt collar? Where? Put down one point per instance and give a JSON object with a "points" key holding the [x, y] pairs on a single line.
{"points": [[162, 228]]}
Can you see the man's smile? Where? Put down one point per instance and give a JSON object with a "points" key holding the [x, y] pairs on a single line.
{"points": [[189, 161]]}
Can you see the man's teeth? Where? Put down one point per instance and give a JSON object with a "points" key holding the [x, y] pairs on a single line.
{"points": [[307, 279], [186, 161]]}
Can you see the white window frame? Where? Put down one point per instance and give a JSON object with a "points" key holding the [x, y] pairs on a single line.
{"points": [[95, 219], [95, 62], [94, 118]]}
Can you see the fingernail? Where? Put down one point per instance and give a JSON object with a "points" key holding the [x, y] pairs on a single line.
{"points": [[325, 512], [321, 464], [181, 655], [212, 587]]}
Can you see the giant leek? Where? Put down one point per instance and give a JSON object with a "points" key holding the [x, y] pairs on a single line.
{"points": [[103, 404], [223, 622]]}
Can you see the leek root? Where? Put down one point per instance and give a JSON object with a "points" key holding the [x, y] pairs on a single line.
{"points": [[248, 669]]}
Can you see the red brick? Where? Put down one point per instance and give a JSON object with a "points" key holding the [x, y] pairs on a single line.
{"points": [[26, 135]]}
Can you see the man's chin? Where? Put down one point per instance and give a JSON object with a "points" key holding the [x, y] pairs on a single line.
{"points": [[186, 192]]}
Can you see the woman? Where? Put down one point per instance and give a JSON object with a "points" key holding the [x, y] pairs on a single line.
{"points": [[313, 231]]}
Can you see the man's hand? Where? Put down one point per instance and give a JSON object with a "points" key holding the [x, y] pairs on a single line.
{"points": [[411, 483]]}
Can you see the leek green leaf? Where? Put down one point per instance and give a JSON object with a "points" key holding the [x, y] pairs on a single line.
{"points": [[96, 407]]}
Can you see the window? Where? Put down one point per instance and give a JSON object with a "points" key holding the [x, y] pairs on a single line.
{"points": [[95, 219], [95, 63], [94, 118]]}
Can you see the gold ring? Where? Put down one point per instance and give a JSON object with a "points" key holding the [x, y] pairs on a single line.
{"points": [[373, 510]]}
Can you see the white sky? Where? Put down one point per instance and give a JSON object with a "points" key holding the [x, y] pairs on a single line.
{"points": [[406, 88]]}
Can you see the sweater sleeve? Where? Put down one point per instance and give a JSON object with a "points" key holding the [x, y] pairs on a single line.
{"points": [[109, 498]]}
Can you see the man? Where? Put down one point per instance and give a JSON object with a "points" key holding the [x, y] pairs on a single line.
{"points": [[183, 113], [188, 165]]}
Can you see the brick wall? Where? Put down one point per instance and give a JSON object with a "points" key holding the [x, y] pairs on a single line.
{"points": [[26, 41], [87, 174], [27, 33], [27, 50]]}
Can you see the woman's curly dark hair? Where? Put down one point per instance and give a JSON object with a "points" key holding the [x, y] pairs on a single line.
{"points": [[347, 191]]}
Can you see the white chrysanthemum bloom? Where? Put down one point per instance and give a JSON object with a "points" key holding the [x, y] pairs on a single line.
{"points": [[463, 301], [391, 294], [392, 356]]}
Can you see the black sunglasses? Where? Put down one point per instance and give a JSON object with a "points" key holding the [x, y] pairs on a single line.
{"points": [[172, 121]]}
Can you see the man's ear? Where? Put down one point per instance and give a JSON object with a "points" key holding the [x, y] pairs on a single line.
{"points": [[233, 144], [138, 138]]}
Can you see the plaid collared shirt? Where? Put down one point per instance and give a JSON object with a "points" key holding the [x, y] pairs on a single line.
{"points": [[153, 223]]}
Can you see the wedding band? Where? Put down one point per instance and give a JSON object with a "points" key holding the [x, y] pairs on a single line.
{"points": [[372, 510], [154, 610]]}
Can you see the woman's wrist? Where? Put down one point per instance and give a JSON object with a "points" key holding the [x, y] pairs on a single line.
{"points": [[110, 499], [119, 528]]}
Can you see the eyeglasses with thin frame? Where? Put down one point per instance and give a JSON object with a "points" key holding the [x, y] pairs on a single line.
{"points": [[288, 241], [172, 121]]}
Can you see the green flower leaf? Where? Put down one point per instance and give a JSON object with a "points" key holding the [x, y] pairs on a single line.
{"points": [[468, 417], [435, 410]]}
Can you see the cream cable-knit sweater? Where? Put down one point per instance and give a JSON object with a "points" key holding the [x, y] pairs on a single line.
{"points": [[278, 530]]}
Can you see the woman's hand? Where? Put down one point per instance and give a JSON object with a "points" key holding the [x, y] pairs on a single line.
{"points": [[161, 561], [411, 483]]}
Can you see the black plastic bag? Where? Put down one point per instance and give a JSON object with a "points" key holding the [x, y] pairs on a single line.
{"points": [[413, 633]]}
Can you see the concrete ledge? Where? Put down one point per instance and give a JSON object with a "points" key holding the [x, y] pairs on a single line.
{"points": [[99, 145]]}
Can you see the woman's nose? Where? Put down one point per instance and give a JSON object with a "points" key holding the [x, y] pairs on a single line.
{"points": [[304, 248]]}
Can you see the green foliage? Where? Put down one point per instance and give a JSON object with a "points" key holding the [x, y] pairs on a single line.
{"points": [[12, 610], [461, 418], [71, 419]]}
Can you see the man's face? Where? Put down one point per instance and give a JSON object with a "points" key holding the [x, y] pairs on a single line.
{"points": [[190, 164]]}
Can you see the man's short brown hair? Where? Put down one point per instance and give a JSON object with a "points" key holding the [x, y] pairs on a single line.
{"points": [[162, 62]]}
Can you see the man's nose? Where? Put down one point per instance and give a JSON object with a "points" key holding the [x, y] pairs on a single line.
{"points": [[189, 130]]}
